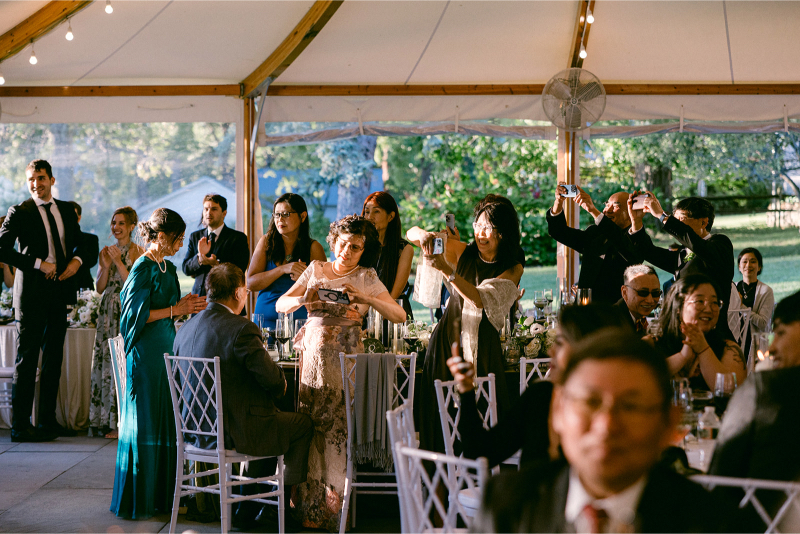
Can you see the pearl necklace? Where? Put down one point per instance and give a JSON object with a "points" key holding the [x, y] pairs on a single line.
{"points": [[342, 275], [158, 262], [485, 261]]}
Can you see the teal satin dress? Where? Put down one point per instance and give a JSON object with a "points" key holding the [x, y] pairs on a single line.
{"points": [[144, 482]]}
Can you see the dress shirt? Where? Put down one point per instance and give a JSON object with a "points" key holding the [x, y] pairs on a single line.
{"points": [[51, 251], [221, 304], [216, 231], [620, 508]]}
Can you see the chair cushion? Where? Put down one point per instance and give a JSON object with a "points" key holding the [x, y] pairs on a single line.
{"points": [[470, 498], [6, 372]]}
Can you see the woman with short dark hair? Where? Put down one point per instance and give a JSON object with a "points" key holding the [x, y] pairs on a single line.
{"points": [[483, 286], [144, 481], [754, 294], [333, 327]]}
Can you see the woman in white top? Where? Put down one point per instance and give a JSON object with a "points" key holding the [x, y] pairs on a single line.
{"points": [[754, 294]]}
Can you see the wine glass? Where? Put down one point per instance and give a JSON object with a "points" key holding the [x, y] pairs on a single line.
{"points": [[540, 302], [724, 387], [262, 323], [411, 335], [283, 330], [548, 296]]}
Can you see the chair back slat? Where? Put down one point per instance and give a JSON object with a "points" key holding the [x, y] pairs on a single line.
{"points": [[402, 432], [421, 476], [526, 376], [447, 396], [195, 392], [750, 486]]}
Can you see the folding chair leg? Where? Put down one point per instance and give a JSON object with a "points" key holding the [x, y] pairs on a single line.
{"points": [[224, 495], [355, 496], [281, 497], [176, 501], [345, 506]]}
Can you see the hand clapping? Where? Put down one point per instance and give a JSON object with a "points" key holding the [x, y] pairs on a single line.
{"points": [[190, 304]]}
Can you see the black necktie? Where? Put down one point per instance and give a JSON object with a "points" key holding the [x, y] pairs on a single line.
{"points": [[211, 240], [61, 259]]}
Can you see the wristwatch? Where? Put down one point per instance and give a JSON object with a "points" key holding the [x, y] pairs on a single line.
{"points": [[663, 217]]}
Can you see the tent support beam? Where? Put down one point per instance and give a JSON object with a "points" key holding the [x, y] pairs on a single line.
{"points": [[249, 180], [40, 23], [531, 89], [568, 172], [121, 90], [291, 47]]}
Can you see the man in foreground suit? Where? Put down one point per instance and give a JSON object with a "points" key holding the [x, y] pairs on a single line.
{"points": [[214, 244], [606, 251], [703, 252], [50, 253], [613, 414], [758, 438], [251, 382], [91, 246], [641, 293]]}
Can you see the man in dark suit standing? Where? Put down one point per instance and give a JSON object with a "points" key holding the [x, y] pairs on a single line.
{"points": [[91, 246], [214, 244], [613, 414], [50, 253], [760, 431], [604, 246], [703, 252], [641, 294], [251, 382]]}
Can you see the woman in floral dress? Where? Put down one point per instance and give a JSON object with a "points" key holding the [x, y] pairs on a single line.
{"points": [[115, 263], [331, 329]]}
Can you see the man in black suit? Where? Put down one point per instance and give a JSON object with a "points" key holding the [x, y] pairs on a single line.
{"points": [[703, 252], [613, 414], [251, 382], [760, 431], [50, 253], [604, 246], [641, 293], [214, 244], [91, 245]]}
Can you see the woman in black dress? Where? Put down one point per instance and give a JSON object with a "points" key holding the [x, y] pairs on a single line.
{"points": [[483, 287], [394, 262]]}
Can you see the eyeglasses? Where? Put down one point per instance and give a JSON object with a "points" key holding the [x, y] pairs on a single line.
{"points": [[486, 229], [700, 304], [285, 215], [610, 205], [656, 293], [590, 405]]}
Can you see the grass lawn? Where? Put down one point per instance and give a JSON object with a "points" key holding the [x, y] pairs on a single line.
{"points": [[780, 248]]}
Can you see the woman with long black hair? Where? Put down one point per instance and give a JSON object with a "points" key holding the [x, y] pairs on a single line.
{"points": [[394, 262], [282, 255]]}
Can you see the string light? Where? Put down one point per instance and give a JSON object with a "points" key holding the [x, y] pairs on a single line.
{"points": [[589, 16], [109, 9], [33, 60], [582, 53], [2, 80], [69, 35]]}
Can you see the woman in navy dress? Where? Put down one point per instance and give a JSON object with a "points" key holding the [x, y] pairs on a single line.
{"points": [[144, 480], [282, 255]]}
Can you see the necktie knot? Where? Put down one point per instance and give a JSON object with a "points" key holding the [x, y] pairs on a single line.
{"points": [[596, 518], [641, 325]]}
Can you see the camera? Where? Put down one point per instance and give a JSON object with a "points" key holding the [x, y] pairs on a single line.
{"points": [[438, 246], [571, 190], [333, 296], [638, 201]]}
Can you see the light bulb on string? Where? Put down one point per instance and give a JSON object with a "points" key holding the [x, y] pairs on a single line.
{"points": [[589, 16], [109, 9], [33, 60], [2, 80], [69, 35], [582, 53]]}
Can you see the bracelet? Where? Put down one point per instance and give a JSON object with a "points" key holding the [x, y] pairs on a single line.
{"points": [[170, 312]]}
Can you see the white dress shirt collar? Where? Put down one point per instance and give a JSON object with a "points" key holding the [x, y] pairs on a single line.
{"points": [[621, 507], [217, 230], [221, 304]]}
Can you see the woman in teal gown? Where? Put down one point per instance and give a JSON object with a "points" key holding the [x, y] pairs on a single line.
{"points": [[144, 481]]}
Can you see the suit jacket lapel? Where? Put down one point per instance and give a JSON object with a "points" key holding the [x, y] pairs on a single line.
{"points": [[38, 223]]}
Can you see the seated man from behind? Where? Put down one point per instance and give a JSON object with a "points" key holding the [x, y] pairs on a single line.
{"points": [[641, 293], [612, 411], [759, 434], [251, 382]]}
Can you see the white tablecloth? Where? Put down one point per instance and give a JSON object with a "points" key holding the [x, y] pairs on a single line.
{"points": [[74, 393]]}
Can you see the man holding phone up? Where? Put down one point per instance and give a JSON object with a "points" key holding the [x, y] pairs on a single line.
{"points": [[606, 251]]}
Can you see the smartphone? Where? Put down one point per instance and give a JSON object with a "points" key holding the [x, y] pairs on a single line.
{"points": [[334, 296], [571, 190], [450, 220], [638, 201], [438, 246]]}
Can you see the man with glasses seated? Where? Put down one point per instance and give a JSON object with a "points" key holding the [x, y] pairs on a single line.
{"points": [[703, 253], [613, 414], [216, 243], [604, 246], [641, 294]]}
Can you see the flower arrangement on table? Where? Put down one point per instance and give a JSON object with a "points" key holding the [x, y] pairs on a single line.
{"points": [[421, 331], [6, 306], [84, 312], [533, 339]]}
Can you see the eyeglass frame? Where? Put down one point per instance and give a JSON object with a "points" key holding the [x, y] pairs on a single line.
{"points": [[706, 303], [487, 228], [647, 292], [624, 408], [278, 215]]}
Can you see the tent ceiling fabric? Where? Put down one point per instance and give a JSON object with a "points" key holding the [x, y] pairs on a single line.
{"points": [[187, 42]]}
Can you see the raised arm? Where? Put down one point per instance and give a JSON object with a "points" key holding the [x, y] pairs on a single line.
{"points": [[258, 277]]}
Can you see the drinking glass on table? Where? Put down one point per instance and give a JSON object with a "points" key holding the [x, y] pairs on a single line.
{"points": [[411, 335], [540, 302], [724, 386], [298, 325], [548, 296], [283, 330]]}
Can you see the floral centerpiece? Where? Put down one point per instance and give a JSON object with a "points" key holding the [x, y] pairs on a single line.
{"points": [[6, 306], [421, 331], [534, 339], [84, 312]]}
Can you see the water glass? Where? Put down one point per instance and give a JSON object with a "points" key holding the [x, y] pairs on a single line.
{"points": [[375, 324], [583, 296], [263, 324], [283, 330], [724, 385], [273, 352]]}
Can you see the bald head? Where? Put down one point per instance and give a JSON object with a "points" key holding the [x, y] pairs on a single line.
{"points": [[617, 209]]}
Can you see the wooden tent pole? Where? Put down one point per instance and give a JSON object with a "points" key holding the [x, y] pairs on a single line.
{"points": [[249, 179], [569, 172]]}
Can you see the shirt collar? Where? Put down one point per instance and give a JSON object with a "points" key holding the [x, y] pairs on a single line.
{"points": [[40, 202], [218, 231], [621, 507], [221, 304]]}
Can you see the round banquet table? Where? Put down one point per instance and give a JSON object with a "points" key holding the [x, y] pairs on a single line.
{"points": [[74, 392]]}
